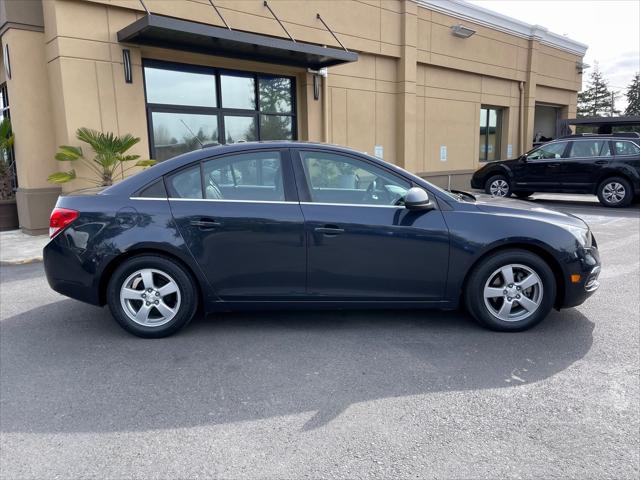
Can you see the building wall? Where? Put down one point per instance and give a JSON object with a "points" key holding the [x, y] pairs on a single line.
{"points": [[415, 87]]}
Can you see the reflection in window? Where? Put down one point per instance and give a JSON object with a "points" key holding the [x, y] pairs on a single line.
{"points": [[240, 129], [175, 133], [238, 92], [490, 126], [548, 151], [173, 87], [335, 178], [275, 95], [626, 148], [276, 127], [590, 149], [186, 183]]}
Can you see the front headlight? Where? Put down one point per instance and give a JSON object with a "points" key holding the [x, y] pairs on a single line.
{"points": [[582, 234]]}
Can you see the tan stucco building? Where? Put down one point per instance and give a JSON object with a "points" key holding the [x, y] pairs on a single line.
{"points": [[419, 93]]}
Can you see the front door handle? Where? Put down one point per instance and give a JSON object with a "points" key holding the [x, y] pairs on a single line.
{"points": [[329, 230], [554, 165], [602, 162], [205, 223]]}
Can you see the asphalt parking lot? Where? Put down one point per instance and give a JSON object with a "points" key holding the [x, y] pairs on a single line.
{"points": [[327, 394]]}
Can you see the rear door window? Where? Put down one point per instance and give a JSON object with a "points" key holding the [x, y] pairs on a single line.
{"points": [[624, 147], [186, 183]]}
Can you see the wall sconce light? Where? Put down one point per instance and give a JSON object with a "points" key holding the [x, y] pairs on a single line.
{"points": [[7, 61], [323, 72], [462, 31], [581, 66], [126, 62]]}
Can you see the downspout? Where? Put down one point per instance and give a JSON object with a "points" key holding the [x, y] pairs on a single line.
{"points": [[521, 121], [325, 108]]}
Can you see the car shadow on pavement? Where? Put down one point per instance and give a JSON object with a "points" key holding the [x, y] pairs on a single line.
{"points": [[67, 366]]}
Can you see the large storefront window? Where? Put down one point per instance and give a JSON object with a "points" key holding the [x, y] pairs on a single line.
{"points": [[189, 106], [490, 127]]}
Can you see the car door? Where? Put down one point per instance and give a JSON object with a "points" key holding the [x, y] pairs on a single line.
{"points": [[362, 243], [584, 160], [540, 168], [240, 217]]}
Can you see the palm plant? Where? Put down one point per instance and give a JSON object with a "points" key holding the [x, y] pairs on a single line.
{"points": [[108, 162], [7, 172]]}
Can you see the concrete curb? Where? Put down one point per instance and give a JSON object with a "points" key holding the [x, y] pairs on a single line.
{"points": [[22, 261]]}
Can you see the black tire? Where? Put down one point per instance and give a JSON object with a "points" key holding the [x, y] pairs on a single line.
{"points": [[500, 180], [186, 298], [611, 185], [486, 270], [523, 195]]}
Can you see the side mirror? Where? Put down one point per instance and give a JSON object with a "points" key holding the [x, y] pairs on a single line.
{"points": [[417, 199]]}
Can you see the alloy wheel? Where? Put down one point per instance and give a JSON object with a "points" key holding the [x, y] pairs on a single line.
{"points": [[613, 192], [513, 292], [499, 188], [150, 297]]}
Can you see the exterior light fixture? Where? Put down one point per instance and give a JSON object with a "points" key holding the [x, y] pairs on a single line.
{"points": [[462, 31], [581, 66], [7, 61], [126, 62], [324, 73]]}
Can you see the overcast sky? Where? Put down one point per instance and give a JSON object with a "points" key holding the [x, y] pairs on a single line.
{"points": [[611, 29]]}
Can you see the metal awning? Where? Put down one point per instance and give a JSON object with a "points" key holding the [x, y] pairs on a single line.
{"points": [[166, 32]]}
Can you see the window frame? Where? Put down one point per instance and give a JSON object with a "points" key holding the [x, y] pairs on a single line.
{"points": [[567, 153], [219, 110], [288, 182], [304, 189], [499, 121]]}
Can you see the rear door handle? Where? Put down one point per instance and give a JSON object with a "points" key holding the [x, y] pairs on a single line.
{"points": [[205, 223], [554, 165], [602, 162], [329, 230]]}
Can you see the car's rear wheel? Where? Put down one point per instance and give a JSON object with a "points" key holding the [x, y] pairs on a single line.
{"points": [[615, 192], [523, 195], [498, 186], [510, 291], [151, 296]]}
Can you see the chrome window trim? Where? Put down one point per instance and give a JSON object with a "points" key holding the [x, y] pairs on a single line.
{"points": [[351, 205], [228, 200], [148, 198]]}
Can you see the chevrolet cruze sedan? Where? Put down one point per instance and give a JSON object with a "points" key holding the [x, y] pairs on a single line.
{"points": [[304, 225]]}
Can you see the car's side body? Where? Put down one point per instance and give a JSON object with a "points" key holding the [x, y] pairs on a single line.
{"points": [[571, 172], [299, 253]]}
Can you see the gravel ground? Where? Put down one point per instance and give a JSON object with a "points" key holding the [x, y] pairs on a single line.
{"points": [[327, 394]]}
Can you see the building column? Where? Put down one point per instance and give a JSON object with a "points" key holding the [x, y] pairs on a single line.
{"points": [[31, 121], [530, 92], [407, 77]]}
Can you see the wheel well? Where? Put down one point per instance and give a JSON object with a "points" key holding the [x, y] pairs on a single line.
{"points": [[536, 250], [611, 174], [119, 260]]}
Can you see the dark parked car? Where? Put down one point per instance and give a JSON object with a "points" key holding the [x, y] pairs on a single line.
{"points": [[330, 227], [603, 165]]}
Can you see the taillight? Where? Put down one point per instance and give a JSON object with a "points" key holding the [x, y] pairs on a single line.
{"points": [[60, 219]]}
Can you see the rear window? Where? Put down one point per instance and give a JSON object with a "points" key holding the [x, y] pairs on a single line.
{"points": [[155, 190], [186, 183]]}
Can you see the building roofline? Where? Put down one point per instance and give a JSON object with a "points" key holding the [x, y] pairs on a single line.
{"points": [[488, 18]]}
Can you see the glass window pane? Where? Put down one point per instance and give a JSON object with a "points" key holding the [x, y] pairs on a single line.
{"points": [[239, 129], [589, 148], [186, 183], [334, 178], [247, 176], [174, 133], [548, 151], [276, 127], [180, 88], [626, 148], [275, 95], [238, 92]]}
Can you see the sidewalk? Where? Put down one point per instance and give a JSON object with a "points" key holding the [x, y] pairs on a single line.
{"points": [[17, 247]]}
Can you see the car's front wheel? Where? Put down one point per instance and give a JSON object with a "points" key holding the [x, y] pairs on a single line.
{"points": [[151, 296], [615, 192], [498, 186], [511, 290]]}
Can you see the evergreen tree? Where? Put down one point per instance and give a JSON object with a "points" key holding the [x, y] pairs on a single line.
{"points": [[633, 96], [597, 100]]}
